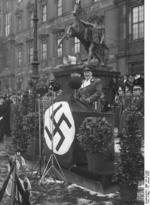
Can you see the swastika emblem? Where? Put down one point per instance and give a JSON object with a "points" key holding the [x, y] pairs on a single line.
{"points": [[59, 127]]}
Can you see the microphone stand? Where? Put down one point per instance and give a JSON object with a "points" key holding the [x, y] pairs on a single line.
{"points": [[53, 167]]}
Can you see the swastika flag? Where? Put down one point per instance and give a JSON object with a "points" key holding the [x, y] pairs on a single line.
{"points": [[59, 127]]}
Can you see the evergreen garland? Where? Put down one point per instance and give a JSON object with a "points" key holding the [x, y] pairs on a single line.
{"points": [[26, 122], [95, 135], [130, 165]]}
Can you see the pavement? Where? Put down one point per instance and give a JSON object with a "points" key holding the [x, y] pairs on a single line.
{"points": [[54, 192]]}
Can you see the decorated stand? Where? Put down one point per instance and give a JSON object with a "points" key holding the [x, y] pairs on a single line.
{"points": [[69, 113]]}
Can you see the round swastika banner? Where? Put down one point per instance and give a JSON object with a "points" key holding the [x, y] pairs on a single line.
{"points": [[59, 127]]}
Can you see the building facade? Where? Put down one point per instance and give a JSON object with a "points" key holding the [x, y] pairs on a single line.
{"points": [[131, 36], [123, 22]]}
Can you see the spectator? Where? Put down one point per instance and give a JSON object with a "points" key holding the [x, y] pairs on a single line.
{"points": [[119, 104], [129, 82], [138, 97], [26, 187], [119, 98], [20, 163], [121, 81], [113, 84], [127, 98]]}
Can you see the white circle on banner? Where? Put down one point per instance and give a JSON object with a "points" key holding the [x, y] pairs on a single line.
{"points": [[59, 127]]}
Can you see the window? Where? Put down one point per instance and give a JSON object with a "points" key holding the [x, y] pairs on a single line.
{"points": [[59, 7], [7, 23], [59, 49], [44, 13], [31, 19], [76, 45], [19, 23], [138, 22], [30, 52], [44, 50], [19, 56]]}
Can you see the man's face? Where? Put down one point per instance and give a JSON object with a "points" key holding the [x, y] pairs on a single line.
{"points": [[18, 153], [87, 75], [128, 92], [137, 91], [120, 91], [131, 78]]}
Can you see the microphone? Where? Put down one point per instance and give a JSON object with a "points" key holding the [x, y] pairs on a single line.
{"points": [[54, 86]]}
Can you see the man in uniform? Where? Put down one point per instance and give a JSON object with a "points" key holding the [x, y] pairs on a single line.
{"points": [[91, 88], [138, 98]]}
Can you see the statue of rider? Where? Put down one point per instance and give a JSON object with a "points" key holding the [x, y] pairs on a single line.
{"points": [[93, 34], [96, 30]]}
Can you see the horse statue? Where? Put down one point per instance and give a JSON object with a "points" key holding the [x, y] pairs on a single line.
{"points": [[90, 35]]}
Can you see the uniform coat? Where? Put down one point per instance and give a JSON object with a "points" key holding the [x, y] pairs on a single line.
{"points": [[91, 92]]}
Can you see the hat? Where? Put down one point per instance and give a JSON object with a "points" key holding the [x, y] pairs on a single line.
{"points": [[87, 68]]}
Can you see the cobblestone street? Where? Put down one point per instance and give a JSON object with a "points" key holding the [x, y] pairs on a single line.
{"points": [[57, 193]]}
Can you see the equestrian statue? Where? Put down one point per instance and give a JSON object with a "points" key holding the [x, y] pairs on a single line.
{"points": [[91, 35]]}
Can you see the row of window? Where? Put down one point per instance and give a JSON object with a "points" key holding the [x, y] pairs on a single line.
{"points": [[44, 51], [19, 18], [136, 22]]}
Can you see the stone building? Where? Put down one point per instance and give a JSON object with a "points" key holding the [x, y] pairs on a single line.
{"points": [[131, 36], [123, 21]]}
